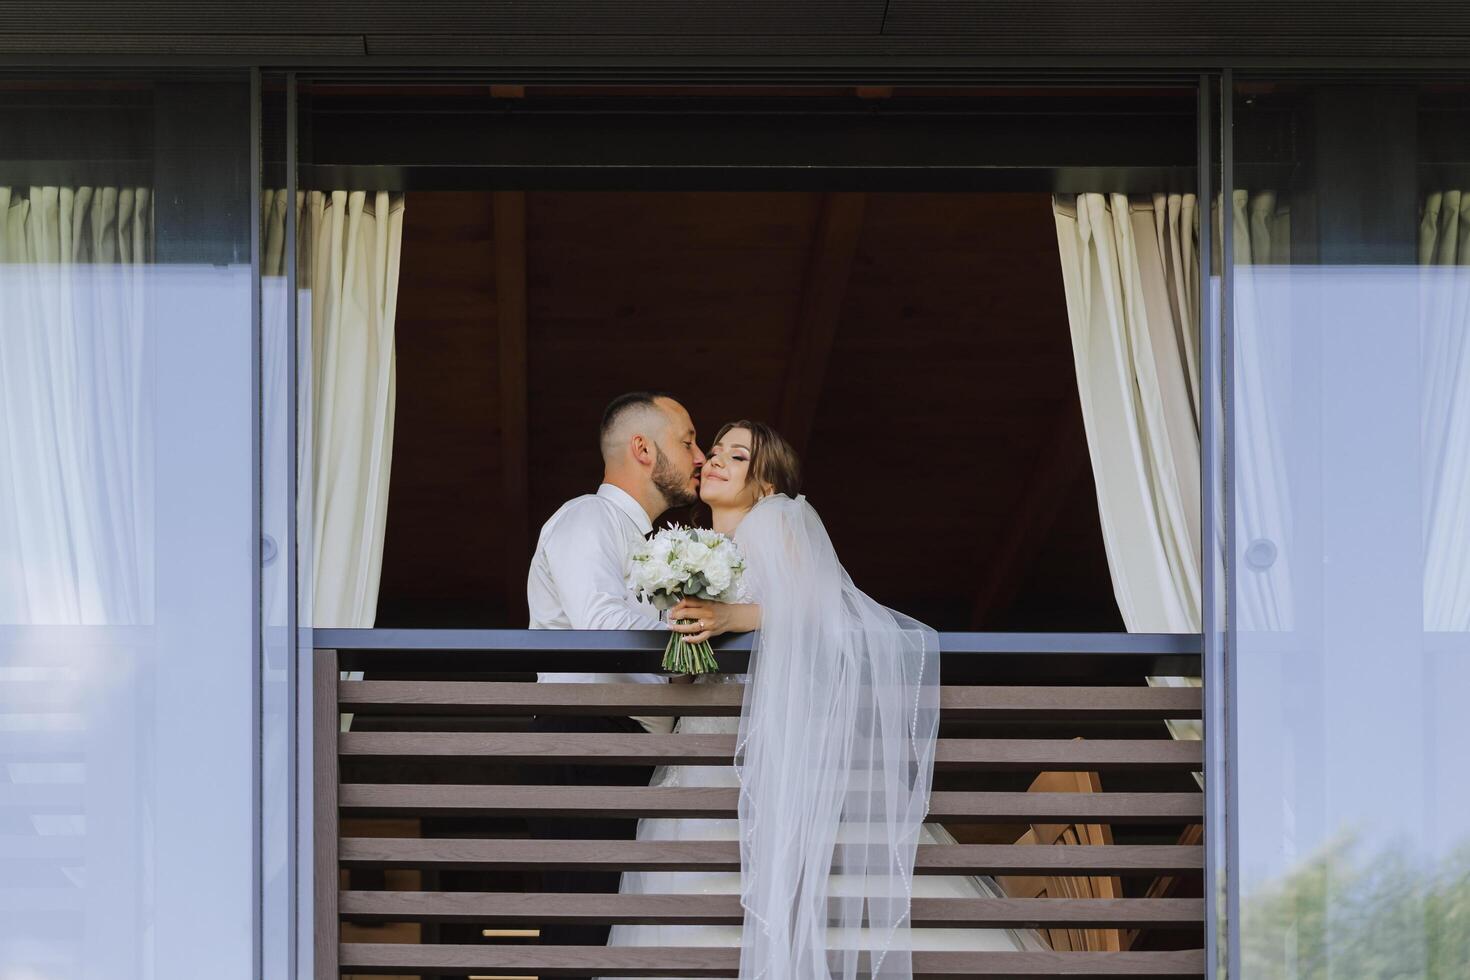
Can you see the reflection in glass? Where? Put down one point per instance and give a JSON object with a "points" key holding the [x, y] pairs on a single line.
{"points": [[278, 553], [1350, 455], [348, 247], [1444, 251], [126, 578], [76, 508]]}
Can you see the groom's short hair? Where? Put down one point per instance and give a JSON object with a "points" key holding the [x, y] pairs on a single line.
{"points": [[624, 407]]}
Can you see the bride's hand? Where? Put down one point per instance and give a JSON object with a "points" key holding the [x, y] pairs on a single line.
{"points": [[710, 619]]}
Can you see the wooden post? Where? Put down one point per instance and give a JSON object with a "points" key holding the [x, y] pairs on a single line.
{"points": [[325, 727]]}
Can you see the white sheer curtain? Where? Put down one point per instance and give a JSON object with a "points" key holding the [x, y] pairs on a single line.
{"points": [[76, 454], [1444, 242], [349, 245], [1263, 533]]}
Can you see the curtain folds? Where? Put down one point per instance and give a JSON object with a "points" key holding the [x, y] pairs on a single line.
{"points": [[76, 454], [1263, 533], [1130, 273], [1128, 267], [1444, 323], [349, 247]]}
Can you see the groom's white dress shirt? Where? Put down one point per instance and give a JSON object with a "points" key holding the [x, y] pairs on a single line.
{"points": [[578, 579]]}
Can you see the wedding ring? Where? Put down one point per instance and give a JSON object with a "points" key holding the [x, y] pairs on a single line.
{"points": [[701, 625]]}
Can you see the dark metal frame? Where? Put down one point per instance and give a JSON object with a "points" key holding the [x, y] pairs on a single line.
{"points": [[1211, 559], [910, 142], [1068, 655], [653, 641], [792, 69], [1223, 806], [257, 635]]}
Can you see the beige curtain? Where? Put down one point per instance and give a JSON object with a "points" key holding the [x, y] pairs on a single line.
{"points": [[349, 247], [76, 454], [1128, 267], [1130, 274], [1444, 249]]}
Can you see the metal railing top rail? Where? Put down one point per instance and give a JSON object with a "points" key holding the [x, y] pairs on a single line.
{"points": [[652, 641]]}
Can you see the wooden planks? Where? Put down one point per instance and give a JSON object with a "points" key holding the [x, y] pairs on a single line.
{"points": [[999, 703], [996, 754], [446, 426], [972, 859], [553, 961], [1040, 502], [325, 723], [500, 908], [421, 715], [828, 268], [952, 309], [509, 212], [718, 802]]}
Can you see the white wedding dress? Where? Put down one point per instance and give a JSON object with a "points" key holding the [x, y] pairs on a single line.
{"points": [[729, 883]]}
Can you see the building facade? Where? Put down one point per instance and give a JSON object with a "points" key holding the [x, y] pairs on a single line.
{"points": [[210, 219]]}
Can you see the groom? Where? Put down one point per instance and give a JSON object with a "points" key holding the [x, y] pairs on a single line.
{"points": [[578, 580]]}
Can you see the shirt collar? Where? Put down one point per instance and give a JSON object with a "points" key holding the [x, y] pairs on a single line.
{"points": [[624, 502]]}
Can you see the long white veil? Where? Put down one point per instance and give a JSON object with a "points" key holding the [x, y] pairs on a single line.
{"points": [[835, 757]]}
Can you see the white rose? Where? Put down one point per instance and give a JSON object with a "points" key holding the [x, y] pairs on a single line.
{"points": [[665, 577], [718, 574], [696, 556]]}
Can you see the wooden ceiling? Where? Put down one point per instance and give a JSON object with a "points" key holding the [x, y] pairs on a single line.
{"points": [[916, 345]]}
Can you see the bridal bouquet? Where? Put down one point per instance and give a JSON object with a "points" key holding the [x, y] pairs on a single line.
{"points": [[686, 561]]}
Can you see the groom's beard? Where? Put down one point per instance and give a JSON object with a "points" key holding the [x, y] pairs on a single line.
{"points": [[674, 487]]}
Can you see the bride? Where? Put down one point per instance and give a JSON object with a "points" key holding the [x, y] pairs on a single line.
{"points": [[834, 751]]}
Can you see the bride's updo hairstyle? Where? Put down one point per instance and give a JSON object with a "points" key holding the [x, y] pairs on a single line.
{"points": [[772, 459]]}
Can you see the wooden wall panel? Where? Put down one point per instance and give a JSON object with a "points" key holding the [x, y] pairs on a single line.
{"points": [[948, 379], [692, 292], [441, 562], [952, 365]]}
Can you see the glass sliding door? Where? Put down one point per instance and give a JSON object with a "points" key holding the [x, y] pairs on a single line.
{"points": [[128, 546], [1350, 566]]}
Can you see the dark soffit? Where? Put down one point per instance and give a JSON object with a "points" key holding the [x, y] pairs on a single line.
{"points": [[764, 35]]}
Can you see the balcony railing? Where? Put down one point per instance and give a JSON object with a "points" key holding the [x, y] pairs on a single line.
{"points": [[1055, 774]]}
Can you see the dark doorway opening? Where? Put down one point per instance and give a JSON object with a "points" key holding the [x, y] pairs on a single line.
{"points": [[874, 271]]}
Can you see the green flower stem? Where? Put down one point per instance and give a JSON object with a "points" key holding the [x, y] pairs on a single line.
{"points": [[683, 657]]}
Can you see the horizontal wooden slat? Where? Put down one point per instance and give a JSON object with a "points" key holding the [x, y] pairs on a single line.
{"points": [[683, 801], [975, 859], [1082, 704], [1031, 755], [499, 908], [550, 961]]}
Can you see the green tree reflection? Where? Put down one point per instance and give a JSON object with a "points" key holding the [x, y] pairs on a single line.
{"points": [[1344, 915]]}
